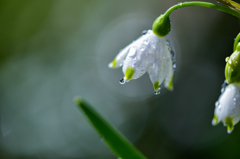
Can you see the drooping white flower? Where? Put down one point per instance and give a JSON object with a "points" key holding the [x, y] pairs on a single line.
{"points": [[149, 53], [227, 108]]}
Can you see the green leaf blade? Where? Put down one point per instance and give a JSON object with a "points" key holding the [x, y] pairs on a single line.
{"points": [[120, 146]]}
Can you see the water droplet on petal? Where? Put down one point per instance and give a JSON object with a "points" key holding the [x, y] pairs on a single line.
{"points": [[222, 90], [219, 107], [173, 57], [144, 32], [174, 65], [216, 104], [172, 54], [224, 86], [145, 42], [156, 92], [121, 81]]}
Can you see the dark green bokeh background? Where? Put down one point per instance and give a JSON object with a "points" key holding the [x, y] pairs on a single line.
{"points": [[51, 51]]}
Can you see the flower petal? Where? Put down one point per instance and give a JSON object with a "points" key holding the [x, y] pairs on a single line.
{"points": [[121, 56], [155, 70], [167, 66], [140, 56]]}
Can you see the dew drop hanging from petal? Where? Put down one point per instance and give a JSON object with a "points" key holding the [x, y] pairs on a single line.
{"points": [[156, 92], [121, 81], [174, 65]]}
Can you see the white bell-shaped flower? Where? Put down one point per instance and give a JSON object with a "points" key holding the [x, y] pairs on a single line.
{"points": [[149, 53], [227, 108]]}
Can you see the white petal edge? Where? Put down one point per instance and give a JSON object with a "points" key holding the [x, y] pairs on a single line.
{"points": [[121, 56]]}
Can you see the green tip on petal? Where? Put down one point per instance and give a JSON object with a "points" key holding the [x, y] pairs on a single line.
{"points": [[113, 63], [129, 73], [156, 85], [170, 84], [215, 120], [229, 123]]}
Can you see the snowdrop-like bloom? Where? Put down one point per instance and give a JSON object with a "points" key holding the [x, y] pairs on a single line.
{"points": [[149, 53], [227, 108]]}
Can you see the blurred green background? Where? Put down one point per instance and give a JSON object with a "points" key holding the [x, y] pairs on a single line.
{"points": [[53, 50]]}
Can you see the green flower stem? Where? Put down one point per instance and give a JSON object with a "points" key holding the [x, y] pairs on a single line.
{"points": [[236, 41], [121, 147], [202, 4]]}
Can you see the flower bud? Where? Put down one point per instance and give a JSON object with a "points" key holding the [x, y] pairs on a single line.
{"points": [[232, 69], [161, 26]]}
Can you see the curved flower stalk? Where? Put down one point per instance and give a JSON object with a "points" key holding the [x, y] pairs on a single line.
{"points": [[227, 108], [149, 53]]}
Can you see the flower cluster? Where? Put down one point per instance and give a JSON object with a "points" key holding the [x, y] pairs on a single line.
{"points": [[149, 53], [227, 108]]}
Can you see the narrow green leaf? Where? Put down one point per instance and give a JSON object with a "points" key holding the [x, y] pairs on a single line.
{"points": [[120, 146]]}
